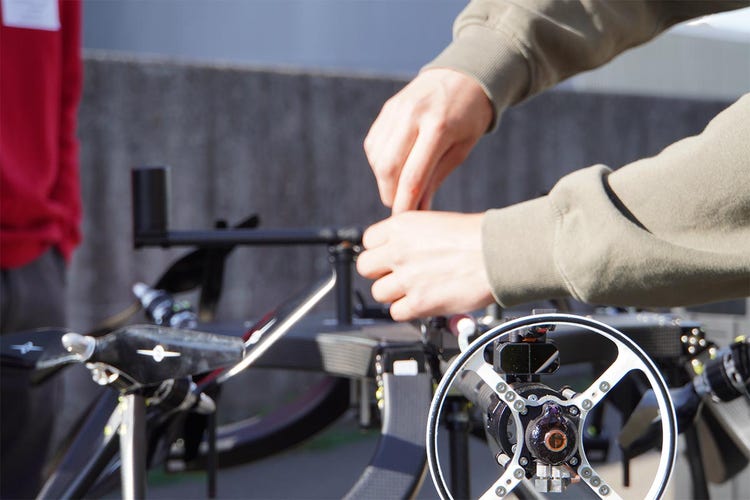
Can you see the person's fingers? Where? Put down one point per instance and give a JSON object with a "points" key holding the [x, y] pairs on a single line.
{"points": [[376, 235], [374, 264], [417, 170], [387, 289], [403, 309], [452, 158], [387, 152]]}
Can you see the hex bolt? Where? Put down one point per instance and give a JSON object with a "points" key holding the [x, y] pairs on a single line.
{"points": [[500, 491], [518, 473], [586, 405], [595, 481], [501, 387], [604, 386], [604, 490], [586, 472]]}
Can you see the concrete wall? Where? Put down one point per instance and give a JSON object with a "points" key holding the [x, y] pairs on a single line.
{"points": [[709, 58], [289, 147]]}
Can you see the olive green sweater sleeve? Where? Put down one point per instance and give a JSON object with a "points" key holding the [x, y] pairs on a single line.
{"points": [[517, 48], [669, 230]]}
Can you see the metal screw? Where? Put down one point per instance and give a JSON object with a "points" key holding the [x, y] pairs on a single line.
{"points": [[533, 397], [501, 387], [595, 481], [523, 461], [586, 405], [510, 396], [574, 410], [604, 386], [518, 473], [500, 491], [513, 448], [518, 405], [586, 472], [573, 461], [604, 490]]}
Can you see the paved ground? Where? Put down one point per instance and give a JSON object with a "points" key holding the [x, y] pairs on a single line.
{"points": [[329, 465]]}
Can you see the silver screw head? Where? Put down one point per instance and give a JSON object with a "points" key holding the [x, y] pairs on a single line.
{"points": [[501, 387], [533, 397], [500, 491], [518, 405], [573, 461], [523, 461], [587, 404], [518, 473], [595, 481], [573, 410], [604, 490], [604, 386], [510, 396], [586, 472]]}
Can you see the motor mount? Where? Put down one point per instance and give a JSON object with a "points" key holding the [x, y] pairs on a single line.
{"points": [[534, 428]]}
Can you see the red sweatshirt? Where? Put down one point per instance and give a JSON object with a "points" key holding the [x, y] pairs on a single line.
{"points": [[40, 88]]}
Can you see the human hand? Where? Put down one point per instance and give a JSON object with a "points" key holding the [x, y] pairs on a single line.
{"points": [[426, 264], [424, 132]]}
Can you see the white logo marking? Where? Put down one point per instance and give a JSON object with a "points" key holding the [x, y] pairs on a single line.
{"points": [[158, 353], [27, 347]]}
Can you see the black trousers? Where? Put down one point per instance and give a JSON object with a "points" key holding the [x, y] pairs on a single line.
{"points": [[31, 296]]}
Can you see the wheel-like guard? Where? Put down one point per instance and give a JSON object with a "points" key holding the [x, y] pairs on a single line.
{"points": [[537, 428]]}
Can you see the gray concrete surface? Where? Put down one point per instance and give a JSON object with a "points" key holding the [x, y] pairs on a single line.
{"points": [[289, 146], [326, 467]]}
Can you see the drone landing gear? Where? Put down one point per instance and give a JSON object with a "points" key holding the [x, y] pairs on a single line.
{"points": [[534, 419]]}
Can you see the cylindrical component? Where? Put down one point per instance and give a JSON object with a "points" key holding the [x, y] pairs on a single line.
{"points": [[727, 377], [150, 189], [551, 437], [343, 256], [133, 447]]}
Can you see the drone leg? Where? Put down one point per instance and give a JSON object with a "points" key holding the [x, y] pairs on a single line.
{"points": [[695, 462], [133, 447], [458, 431]]}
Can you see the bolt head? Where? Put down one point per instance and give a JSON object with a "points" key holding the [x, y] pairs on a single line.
{"points": [[604, 490], [518, 473], [500, 491], [501, 387]]}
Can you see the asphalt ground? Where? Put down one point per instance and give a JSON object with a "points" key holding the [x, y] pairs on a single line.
{"points": [[328, 465]]}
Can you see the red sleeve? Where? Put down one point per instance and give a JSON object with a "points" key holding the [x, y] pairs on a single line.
{"points": [[67, 187]]}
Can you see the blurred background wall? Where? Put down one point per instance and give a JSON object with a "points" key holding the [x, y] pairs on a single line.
{"points": [[262, 105]]}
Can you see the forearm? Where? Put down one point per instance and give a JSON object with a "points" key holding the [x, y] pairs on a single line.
{"points": [[516, 49], [664, 231]]}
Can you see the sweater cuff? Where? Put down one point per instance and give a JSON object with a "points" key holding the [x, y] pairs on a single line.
{"points": [[502, 72], [518, 246]]}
